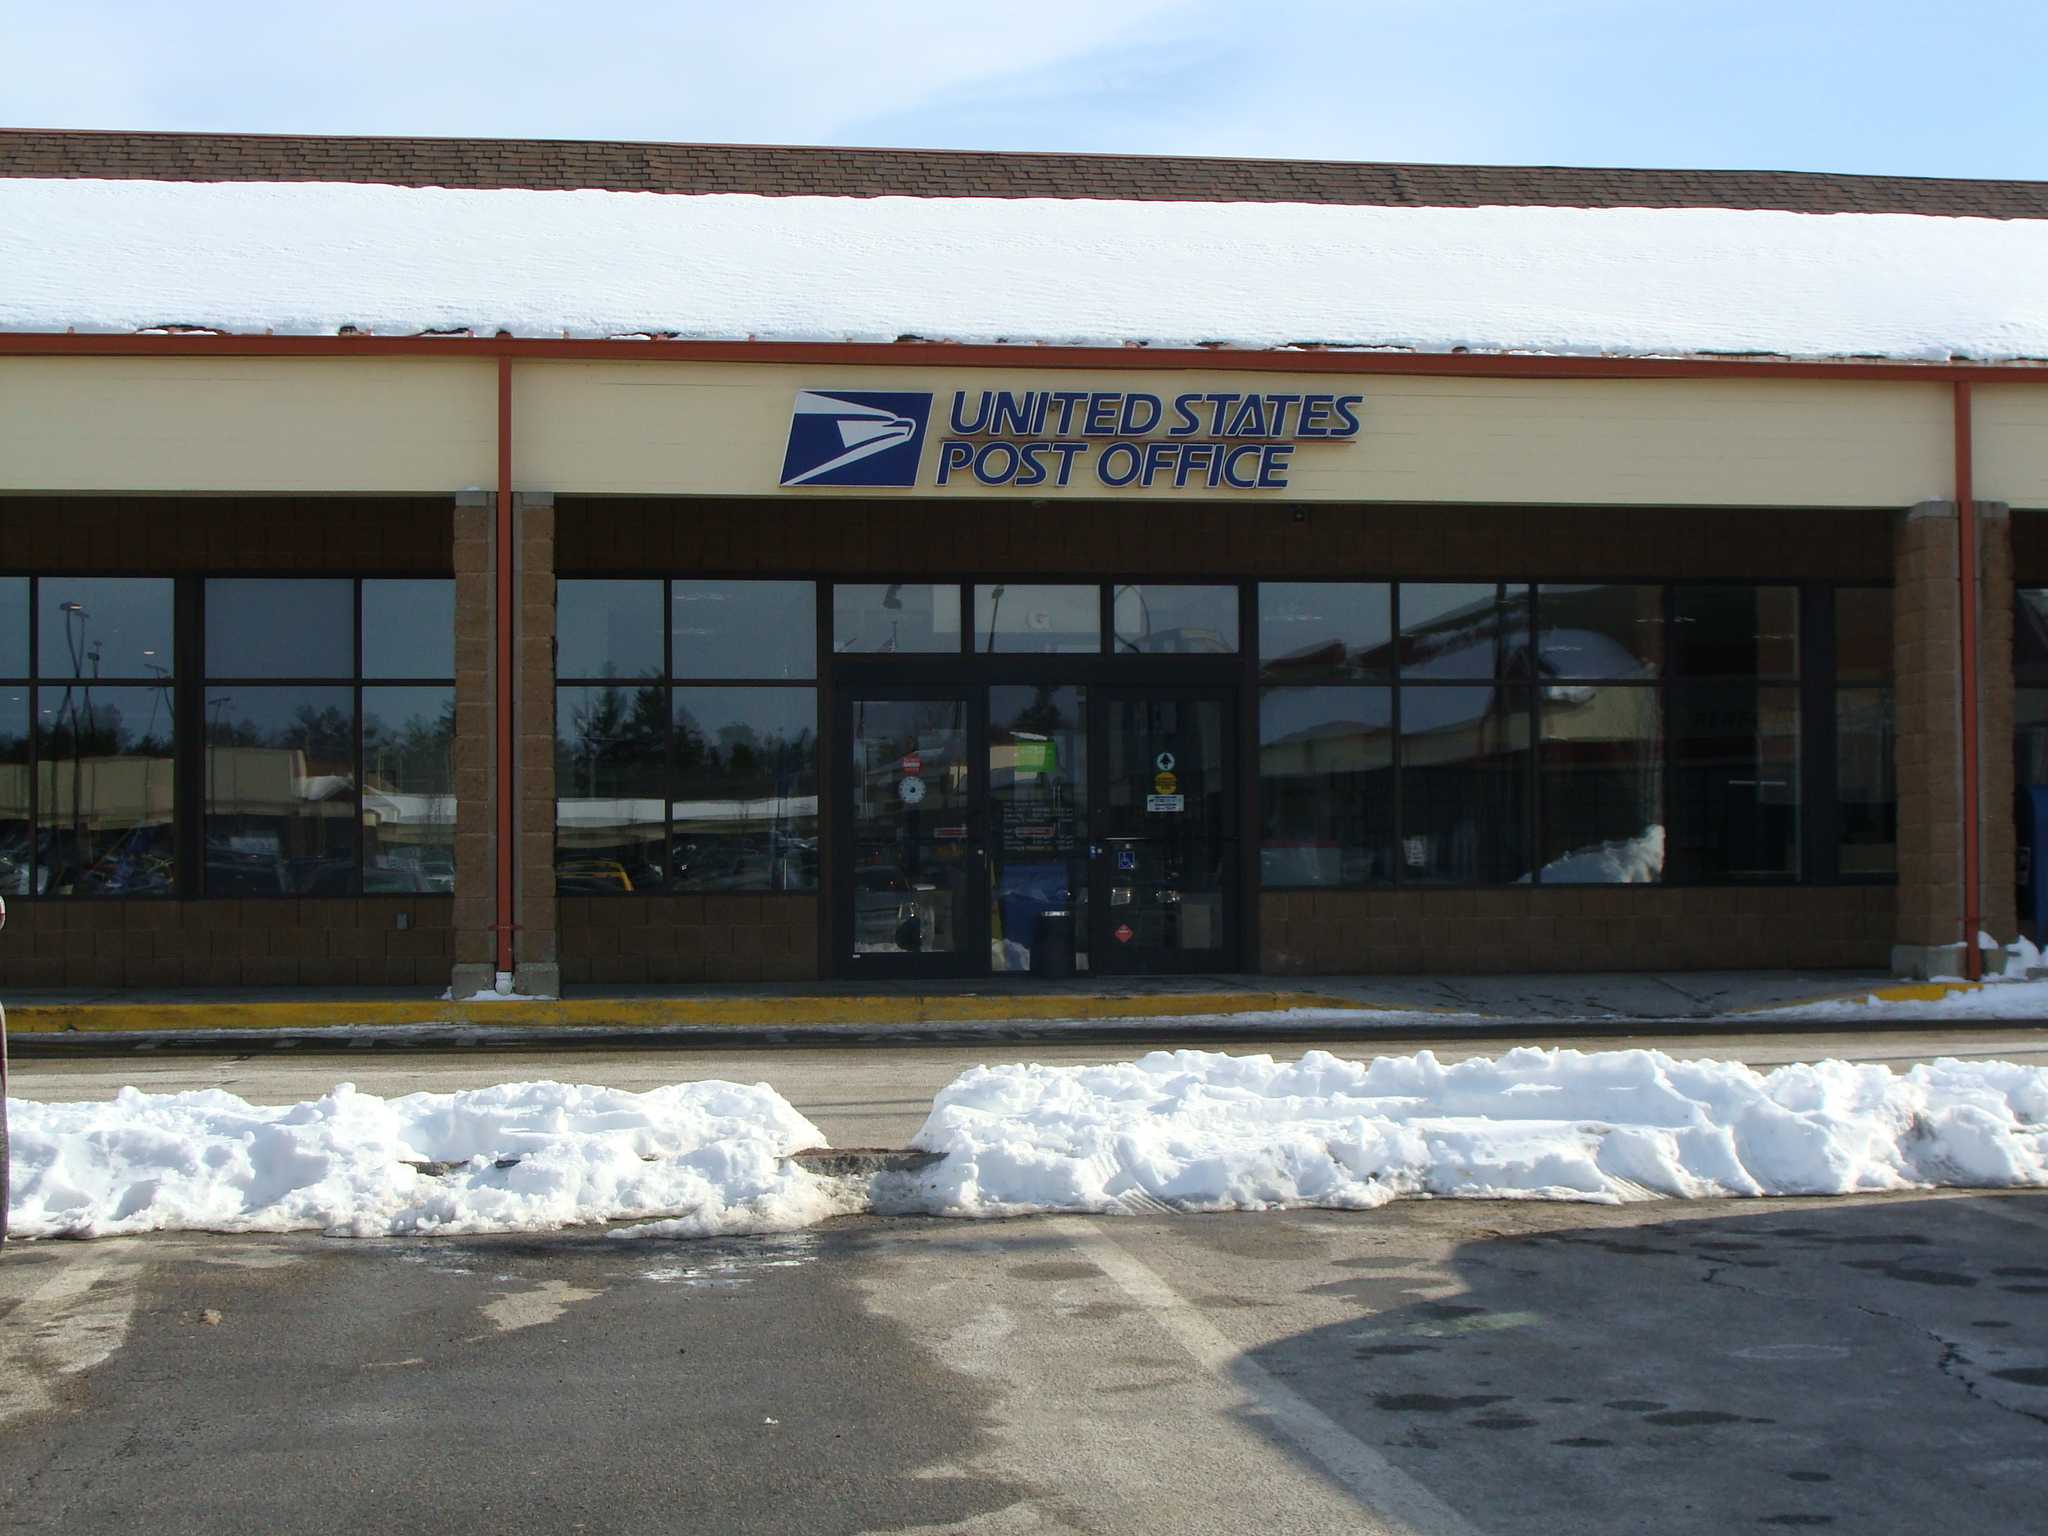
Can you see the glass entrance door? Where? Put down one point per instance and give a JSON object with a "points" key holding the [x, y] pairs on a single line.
{"points": [[912, 893], [1038, 828], [1165, 847]]}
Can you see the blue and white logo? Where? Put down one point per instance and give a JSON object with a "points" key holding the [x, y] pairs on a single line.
{"points": [[855, 438]]}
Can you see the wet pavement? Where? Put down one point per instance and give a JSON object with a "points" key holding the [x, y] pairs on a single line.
{"points": [[1872, 1364]]}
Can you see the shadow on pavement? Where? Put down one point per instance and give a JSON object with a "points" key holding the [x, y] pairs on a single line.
{"points": [[1802, 1364]]}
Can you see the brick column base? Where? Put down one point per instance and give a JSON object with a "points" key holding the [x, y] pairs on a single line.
{"points": [[476, 843], [1927, 655], [539, 970]]}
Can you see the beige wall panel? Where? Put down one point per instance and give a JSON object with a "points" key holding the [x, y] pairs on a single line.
{"points": [[2009, 431], [688, 429], [247, 424]]}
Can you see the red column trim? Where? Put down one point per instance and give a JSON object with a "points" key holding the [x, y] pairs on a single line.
{"points": [[508, 596], [1966, 571]]}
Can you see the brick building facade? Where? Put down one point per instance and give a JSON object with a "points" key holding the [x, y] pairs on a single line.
{"points": [[1643, 668]]}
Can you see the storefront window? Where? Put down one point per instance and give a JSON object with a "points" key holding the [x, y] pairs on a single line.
{"points": [[1866, 780], [744, 816], [1607, 767], [409, 628], [280, 791], [1601, 632], [704, 777], [16, 858], [1735, 796], [1464, 783], [408, 784], [322, 777], [104, 826], [103, 779], [1460, 630], [898, 619], [1326, 786], [1153, 620], [14, 626], [295, 628], [1038, 620], [610, 814], [103, 626], [608, 629], [1325, 631], [1602, 784], [759, 629], [1735, 632]]}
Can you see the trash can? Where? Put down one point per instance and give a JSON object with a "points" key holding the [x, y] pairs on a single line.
{"points": [[1053, 955]]}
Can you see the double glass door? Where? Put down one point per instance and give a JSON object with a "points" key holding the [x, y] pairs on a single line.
{"points": [[1047, 828]]}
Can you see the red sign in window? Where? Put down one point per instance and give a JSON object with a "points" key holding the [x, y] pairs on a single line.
{"points": [[1124, 935]]}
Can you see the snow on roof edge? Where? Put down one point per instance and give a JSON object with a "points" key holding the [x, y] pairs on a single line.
{"points": [[322, 259]]}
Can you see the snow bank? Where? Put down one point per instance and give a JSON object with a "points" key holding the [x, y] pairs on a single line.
{"points": [[313, 259], [1207, 1132], [710, 1155], [1196, 1130]]}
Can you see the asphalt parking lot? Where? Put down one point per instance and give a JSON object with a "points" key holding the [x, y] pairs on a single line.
{"points": [[1872, 1364], [1875, 1364]]}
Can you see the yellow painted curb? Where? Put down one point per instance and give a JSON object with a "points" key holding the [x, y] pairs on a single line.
{"points": [[1898, 992], [792, 1011]]}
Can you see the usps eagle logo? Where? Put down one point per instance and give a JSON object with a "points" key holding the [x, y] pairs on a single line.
{"points": [[847, 437]]}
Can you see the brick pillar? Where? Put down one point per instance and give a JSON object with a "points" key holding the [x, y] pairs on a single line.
{"points": [[1998, 865], [476, 843], [1927, 651], [539, 970]]}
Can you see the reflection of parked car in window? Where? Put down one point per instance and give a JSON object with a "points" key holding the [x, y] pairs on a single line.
{"points": [[591, 877]]}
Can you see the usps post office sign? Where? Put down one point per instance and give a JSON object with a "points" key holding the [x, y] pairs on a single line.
{"points": [[1053, 439]]}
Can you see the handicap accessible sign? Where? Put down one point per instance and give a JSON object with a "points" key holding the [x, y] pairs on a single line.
{"points": [[1053, 439]]}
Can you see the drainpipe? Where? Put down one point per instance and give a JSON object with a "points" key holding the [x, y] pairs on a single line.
{"points": [[1966, 571], [507, 597]]}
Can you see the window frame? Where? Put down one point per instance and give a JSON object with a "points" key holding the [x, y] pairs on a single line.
{"points": [[668, 682], [173, 681], [1815, 850], [193, 809]]}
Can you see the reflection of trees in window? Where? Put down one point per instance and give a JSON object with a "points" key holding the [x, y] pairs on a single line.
{"points": [[608, 725], [414, 752], [324, 735]]}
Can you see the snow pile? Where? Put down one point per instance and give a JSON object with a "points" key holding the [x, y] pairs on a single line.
{"points": [[1203, 1131], [709, 1154], [318, 258]]}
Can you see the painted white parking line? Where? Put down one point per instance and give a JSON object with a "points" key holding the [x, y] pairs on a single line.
{"points": [[67, 1324], [1397, 1504]]}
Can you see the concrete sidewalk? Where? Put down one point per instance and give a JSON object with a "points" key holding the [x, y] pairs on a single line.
{"points": [[1105, 1007]]}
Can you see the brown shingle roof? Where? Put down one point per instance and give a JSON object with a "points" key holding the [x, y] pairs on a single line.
{"points": [[781, 170]]}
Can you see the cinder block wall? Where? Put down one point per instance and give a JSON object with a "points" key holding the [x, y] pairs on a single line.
{"points": [[1582, 928], [689, 938], [170, 942]]}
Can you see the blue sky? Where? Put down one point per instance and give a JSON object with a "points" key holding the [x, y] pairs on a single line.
{"points": [[1913, 87]]}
